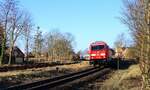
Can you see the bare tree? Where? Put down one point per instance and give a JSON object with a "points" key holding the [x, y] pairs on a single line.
{"points": [[4, 19], [119, 45], [1, 43], [136, 16], [121, 41], [12, 18], [38, 43], [59, 45], [27, 32]]}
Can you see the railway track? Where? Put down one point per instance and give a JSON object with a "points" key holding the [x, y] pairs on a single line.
{"points": [[57, 81]]}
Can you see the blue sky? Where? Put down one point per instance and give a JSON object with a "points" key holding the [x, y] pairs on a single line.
{"points": [[87, 20]]}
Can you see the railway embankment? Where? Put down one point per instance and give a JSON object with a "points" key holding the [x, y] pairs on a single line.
{"points": [[127, 77], [124, 79], [34, 74], [30, 65]]}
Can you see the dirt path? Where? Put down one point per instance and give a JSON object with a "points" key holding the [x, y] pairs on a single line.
{"points": [[126, 79]]}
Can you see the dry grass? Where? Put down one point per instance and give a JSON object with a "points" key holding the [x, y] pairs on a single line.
{"points": [[124, 80], [30, 75], [77, 67], [74, 67]]}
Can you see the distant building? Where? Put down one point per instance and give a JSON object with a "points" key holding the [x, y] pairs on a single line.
{"points": [[86, 57], [129, 53], [118, 52], [17, 56], [125, 52]]}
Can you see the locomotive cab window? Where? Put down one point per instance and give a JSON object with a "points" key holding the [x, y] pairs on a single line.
{"points": [[98, 47]]}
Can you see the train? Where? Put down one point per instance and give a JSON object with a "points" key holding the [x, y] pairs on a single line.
{"points": [[100, 53]]}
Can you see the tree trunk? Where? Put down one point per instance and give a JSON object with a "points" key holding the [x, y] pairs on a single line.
{"points": [[27, 46], [3, 47], [11, 47], [10, 55]]}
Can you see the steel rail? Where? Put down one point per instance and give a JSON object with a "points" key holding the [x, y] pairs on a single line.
{"points": [[54, 82]]}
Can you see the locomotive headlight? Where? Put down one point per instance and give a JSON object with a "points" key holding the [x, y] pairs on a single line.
{"points": [[102, 54], [93, 54]]}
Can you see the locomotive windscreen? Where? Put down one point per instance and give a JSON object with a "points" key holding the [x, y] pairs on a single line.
{"points": [[98, 47]]}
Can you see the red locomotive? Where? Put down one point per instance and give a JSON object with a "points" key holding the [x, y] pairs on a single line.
{"points": [[99, 53]]}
